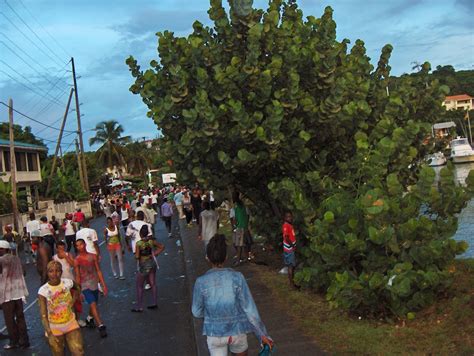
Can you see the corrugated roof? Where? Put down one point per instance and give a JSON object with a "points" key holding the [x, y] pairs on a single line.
{"points": [[444, 125], [459, 97], [6, 143]]}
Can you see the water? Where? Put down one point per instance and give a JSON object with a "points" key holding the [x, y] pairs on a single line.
{"points": [[466, 218]]}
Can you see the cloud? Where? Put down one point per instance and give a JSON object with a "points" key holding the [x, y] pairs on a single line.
{"points": [[154, 20]]}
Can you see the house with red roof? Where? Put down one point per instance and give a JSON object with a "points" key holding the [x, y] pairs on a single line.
{"points": [[463, 101]]}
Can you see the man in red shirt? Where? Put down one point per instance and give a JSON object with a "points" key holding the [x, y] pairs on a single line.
{"points": [[289, 247], [79, 217]]}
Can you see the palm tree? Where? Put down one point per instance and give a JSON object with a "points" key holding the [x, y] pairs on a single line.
{"points": [[109, 134], [138, 158]]}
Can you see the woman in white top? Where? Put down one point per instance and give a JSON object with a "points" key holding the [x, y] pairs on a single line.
{"points": [[124, 215], [114, 246]]}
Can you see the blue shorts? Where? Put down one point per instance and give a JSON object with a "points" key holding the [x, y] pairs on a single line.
{"points": [[91, 296], [289, 258]]}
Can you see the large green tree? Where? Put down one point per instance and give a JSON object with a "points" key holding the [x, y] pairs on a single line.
{"points": [[109, 135], [273, 104]]}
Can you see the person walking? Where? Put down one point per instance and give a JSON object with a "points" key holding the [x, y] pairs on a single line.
{"points": [[88, 275], [114, 246], [289, 247], [222, 297], [196, 202], [187, 207], [12, 292], [208, 223], [69, 232], [90, 237], [166, 215], [146, 251], [241, 232], [27, 246], [44, 254], [57, 315], [133, 230], [47, 232]]}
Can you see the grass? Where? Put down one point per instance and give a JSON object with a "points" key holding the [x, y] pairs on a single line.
{"points": [[447, 327]]}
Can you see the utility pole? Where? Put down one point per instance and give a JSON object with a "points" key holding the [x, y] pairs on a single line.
{"points": [[81, 175], [58, 144], [82, 158], [62, 158], [13, 166]]}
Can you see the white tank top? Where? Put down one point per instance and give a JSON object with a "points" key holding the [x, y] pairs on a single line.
{"points": [[124, 214], [112, 233]]}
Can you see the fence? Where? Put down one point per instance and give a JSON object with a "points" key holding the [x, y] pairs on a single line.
{"points": [[48, 208]]}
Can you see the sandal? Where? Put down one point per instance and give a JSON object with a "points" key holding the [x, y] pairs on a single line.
{"points": [[136, 310], [154, 306]]}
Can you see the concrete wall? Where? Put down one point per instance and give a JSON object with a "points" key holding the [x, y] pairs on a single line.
{"points": [[48, 208]]}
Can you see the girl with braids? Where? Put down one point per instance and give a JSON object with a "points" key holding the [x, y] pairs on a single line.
{"points": [[222, 297], [146, 250]]}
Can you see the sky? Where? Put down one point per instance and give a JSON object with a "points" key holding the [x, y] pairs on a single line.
{"points": [[38, 38]]}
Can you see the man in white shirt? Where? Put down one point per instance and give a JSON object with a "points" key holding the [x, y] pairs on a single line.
{"points": [[32, 225], [90, 237], [208, 223], [133, 229]]}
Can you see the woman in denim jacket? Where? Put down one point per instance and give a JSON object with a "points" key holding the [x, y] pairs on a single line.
{"points": [[222, 297]]}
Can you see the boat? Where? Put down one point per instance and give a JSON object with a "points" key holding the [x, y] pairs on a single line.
{"points": [[461, 150], [436, 159]]}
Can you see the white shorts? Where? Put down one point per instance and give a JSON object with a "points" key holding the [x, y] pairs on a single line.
{"points": [[220, 346]]}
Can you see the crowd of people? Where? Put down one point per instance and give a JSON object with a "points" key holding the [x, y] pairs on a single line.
{"points": [[67, 258]]}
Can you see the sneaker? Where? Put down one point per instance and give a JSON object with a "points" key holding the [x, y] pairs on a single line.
{"points": [[116, 276], [102, 330], [82, 323], [27, 262], [122, 278], [90, 322], [147, 286], [170, 235], [10, 347]]}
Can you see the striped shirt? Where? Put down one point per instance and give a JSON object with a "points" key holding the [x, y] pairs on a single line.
{"points": [[289, 238]]}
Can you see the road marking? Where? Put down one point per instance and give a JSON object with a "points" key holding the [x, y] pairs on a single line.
{"points": [[24, 311], [35, 301]]}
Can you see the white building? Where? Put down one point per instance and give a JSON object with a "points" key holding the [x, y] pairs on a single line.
{"points": [[28, 167], [462, 101]]}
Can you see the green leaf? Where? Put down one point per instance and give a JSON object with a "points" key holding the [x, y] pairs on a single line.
{"points": [[304, 135]]}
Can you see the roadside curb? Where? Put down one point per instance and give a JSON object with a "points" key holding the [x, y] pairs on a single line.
{"points": [[191, 275]]}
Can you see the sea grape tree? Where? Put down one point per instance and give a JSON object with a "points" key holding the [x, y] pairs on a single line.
{"points": [[271, 103]]}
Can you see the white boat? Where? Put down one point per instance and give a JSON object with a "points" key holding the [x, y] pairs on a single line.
{"points": [[436, 159], [461, 150]]}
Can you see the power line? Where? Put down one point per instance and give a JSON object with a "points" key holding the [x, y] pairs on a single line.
{"points": [[48, 105], [29, 81], [26, 54], [26, 86], [34, 33], [30, 118], [46, 31], [24, 61], [32, 42]]}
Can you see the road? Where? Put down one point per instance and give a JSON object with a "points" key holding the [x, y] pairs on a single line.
{"points": [[165, 331]]}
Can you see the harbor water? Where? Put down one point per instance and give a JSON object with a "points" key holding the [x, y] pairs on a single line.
{"points": [[466, 218]]}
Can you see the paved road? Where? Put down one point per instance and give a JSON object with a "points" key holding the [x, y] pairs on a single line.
{"points": [[166, 331]]}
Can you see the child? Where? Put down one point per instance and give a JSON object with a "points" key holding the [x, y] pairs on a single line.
{"points": [[88, 276], [27, 246], [67, 263], [145, 252], [289, 247], [56, 310]]}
